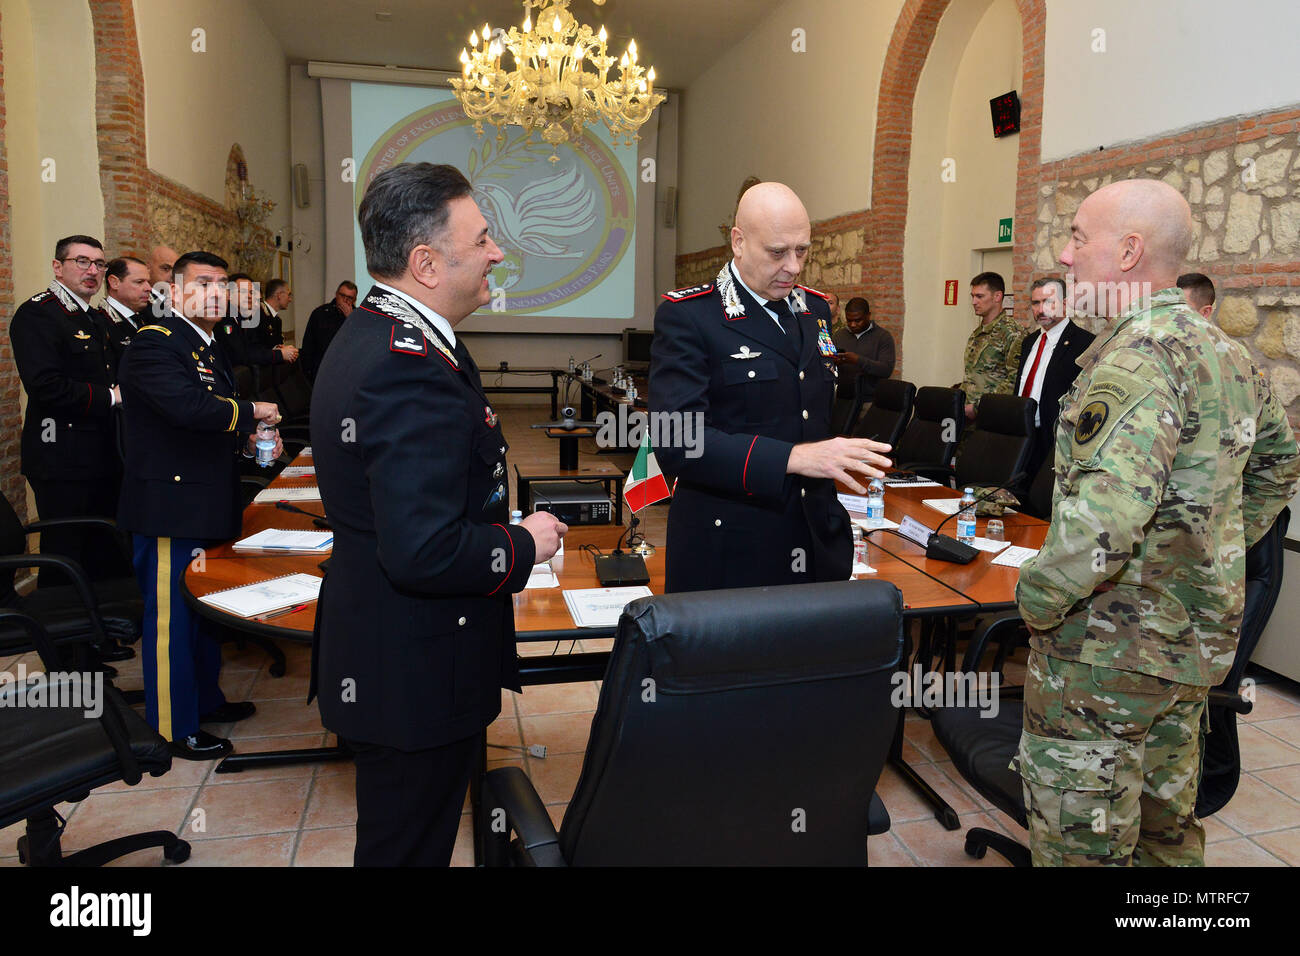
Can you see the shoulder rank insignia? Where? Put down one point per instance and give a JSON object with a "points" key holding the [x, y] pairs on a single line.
{"points": [[155, 328], [407, 340], [40, 296], [678, 295]]}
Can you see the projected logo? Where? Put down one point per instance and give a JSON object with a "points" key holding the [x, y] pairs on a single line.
{"points": [[563, 226]]}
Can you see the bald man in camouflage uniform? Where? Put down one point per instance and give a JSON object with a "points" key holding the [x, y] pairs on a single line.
{"points": [[992, 362], [1172, 459]]}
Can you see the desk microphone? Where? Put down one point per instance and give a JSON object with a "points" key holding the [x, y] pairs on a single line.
{"points": [[945, 548], [319, 521]]}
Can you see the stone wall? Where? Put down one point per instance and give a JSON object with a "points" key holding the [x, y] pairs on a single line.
{"points": [[185, 220], [1242, 179], [12, 485]]}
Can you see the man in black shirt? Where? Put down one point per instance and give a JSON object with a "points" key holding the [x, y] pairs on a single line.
{"points": [[866, 355], [324, 324]]}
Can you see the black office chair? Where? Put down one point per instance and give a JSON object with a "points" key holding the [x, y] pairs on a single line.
{"points": [[59, 752], [889, 413], [1038, 500], [738, 727], [294, 393], [981, 748], [79, 610], [997, 447], [930, 439]]}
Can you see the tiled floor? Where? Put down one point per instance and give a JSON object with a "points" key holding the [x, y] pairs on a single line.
{"points": [[304, 816]]}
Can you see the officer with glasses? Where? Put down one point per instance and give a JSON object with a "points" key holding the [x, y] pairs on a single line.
{"points": [[64, 355]]}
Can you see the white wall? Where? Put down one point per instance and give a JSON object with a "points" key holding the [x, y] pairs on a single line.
{"points": [[312, 285], [1167, 64], [806, 119], [976, 56]]}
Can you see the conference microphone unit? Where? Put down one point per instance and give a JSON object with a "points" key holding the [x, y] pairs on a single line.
{"points": [[941, 547], [319, 521]]}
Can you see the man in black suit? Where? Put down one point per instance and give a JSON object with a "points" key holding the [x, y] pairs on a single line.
{"points": [[1047, 364], [323, 324], [415, 623], [746, 363], [127, 302], [242, 336], [185, 432], [67, 365]]}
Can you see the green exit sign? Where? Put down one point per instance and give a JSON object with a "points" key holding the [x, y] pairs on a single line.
{"points": [[1004, 230]]}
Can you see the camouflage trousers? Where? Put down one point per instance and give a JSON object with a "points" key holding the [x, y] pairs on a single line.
{"points": [[1110, 762]]}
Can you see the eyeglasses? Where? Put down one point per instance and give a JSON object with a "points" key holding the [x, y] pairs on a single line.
{"points": [[83, 263]]}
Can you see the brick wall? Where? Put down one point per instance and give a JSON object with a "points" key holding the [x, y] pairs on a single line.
{"points": [[12, 485], [119, 120]]}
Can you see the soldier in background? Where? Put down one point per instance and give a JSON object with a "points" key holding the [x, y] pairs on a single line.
{"points": [[1172, 459], [1199, 292], [993, 349]]}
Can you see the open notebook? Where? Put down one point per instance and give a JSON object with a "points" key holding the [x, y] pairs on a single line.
{"points": [[263, 597]]}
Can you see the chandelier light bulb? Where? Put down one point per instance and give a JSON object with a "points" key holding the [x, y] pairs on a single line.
{"points": [[528, 23], [558, 24], [603, 37], [651, 75], [473, 39]]}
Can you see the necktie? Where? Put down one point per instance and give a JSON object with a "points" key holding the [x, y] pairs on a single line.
{"points": [[1028, 390], [784, 315]]}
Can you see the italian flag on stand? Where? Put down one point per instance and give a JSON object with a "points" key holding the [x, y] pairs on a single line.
{"points": [[645, 483]]}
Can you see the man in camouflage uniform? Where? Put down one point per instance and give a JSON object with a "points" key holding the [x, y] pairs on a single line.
{"points": [[1172, 459], [993, 349]]}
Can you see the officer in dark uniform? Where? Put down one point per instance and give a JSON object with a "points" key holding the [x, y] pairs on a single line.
{"points": [[242, 335], [750, 356], [323, 324], [66, 361], [185, 433], [415, 622], [127, 302]]}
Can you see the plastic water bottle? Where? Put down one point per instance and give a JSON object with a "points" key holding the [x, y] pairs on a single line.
{"points": [[859, 548], [572, 367], [516, 517], [876, 500], [266, 435], [966, 518]]}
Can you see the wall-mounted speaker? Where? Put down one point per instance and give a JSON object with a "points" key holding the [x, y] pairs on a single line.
{"points": [[301, 186]]}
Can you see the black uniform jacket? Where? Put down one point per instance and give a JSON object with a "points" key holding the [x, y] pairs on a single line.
{"points": [[1058, 376], [66, 361], [323, 324], [737, 519], [243, 346], [184, 431], [415, 625]]}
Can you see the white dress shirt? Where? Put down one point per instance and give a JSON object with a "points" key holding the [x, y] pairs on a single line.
{"points": [[121, 310], [760, 299], [1047, 342]]}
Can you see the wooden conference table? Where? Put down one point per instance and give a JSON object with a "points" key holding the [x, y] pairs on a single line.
{"points": [[930, 588]]}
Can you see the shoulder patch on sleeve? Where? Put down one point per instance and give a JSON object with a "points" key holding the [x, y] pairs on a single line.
{"points": [[816, 292], [155, 328], [1106, 401], [678, 295], [407, 341], [40, 296]]}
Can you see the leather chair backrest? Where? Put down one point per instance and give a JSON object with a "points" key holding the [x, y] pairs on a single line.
{"points": [[1221, 765], [737, 727], [12, 542], [998, 446], [889, 412], [294, 394], [931, 437], [1038, 502]]}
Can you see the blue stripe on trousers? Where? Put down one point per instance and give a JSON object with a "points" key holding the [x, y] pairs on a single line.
{"points": [[175, 635]]}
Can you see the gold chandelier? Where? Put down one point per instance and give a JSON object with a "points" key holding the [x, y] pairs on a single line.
{"points": [[560, 82]]}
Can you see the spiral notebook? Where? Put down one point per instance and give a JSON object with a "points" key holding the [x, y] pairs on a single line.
{"points": [[269, 496], [262, 597], [280, 539]]}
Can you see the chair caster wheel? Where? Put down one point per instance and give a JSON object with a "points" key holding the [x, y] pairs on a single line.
{"points": [[277, 669], [178, 853], [975, 848], [948, 817]]}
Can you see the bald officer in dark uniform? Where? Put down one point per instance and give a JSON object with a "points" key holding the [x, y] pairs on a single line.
{"points": [[415, 621], [750, 354]]}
